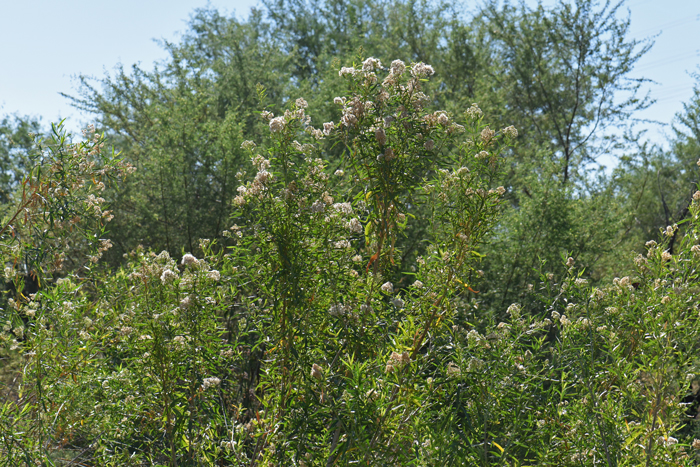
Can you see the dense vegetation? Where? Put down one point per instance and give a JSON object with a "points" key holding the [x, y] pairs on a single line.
{"points": [[301, 241]]}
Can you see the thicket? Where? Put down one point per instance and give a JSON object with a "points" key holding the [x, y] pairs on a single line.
{"points": [[413, 282]]}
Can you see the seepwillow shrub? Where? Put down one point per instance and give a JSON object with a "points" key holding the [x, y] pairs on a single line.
{"points": [[292, 346], [51, 225], [347, 353], [54, 220], [305, 342]]}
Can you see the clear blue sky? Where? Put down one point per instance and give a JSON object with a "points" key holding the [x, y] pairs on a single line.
{"points": [[45, 44]]}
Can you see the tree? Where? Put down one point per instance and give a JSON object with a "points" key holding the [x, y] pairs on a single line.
{"points": [[182, 125], [660, 181], [564, 74], [16, 140]]}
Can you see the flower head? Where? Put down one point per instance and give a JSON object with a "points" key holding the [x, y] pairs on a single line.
{"points": [[214, 275], [190, 260], [421, 70], [210, 382], [474, 112], [380, 135], [397, 68], [346, 71], [168, 276], [316, 372], [510, 131], [487, 134], [514, 310], [277, 124], [371, 64], [354, 225]]}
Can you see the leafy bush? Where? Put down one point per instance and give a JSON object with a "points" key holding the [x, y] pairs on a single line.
{"points": [[303, 339]]}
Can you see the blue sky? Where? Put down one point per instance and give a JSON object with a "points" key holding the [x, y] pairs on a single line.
{"points": [[45, 44]]}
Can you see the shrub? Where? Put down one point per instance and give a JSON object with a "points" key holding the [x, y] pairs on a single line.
{"points": [[306, 341]]}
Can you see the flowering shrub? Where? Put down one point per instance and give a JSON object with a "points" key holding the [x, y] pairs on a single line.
{"points": [[307, 341], [58, 215], [318, 252]]}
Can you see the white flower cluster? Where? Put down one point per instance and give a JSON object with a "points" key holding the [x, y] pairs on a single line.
{"points": [[380, 136], [366, 72], [328, 127], [474, 112], [514, 310], [346, 71], [453, 369], [168, 276], [339, 310], [318, 206], [190, 261], [301, 103], [316, 133], [210, 382], [185, 303], [487, 135], [9, 273], [371, 64], [421, 70], [214, 275], [670, 230], [354, 225], [353, 110], [473, 337], [397, 360], [343, 208], [510, 131], [342, 244], [249, 145], [624, 283], [259, 184], [277, 124], [397, 68], [260, 163]]}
